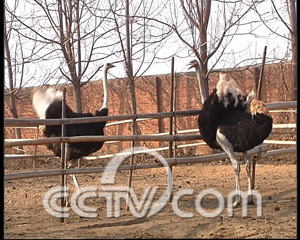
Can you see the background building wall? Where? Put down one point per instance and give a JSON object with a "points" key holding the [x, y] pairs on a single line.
{"points": [[277, 86]]}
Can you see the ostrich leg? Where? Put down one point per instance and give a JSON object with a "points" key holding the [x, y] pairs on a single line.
{"points": [[227, 147], [237, 169], [71, 164], [75, 181], [248, 169]]}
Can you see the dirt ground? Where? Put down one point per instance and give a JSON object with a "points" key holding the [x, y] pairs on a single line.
{"points": [[25, 216]]}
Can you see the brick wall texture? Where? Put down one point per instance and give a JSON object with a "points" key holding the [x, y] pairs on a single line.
{"points": [[277, 86]]}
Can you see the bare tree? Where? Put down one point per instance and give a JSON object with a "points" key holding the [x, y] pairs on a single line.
{"points": [[17, 61], [73, 34], [281, 13], [138, 36], [139, 41], [12, 96], [294, 40], [208, 35]]}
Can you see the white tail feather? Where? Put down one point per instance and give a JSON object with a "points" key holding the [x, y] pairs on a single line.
{"points": [[43, 98]]}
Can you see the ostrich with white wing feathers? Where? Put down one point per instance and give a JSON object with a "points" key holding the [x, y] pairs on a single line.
{"points": [[233, 122], [48, 105]]}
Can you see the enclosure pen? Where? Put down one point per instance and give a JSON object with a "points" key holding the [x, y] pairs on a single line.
{"points": [[36, 122], [157, 137], [186, 135]]}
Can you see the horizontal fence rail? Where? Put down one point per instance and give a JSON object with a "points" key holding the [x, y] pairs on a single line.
{"points": [[20, 142], [170, 161], [37, 122], [115, 139], [278, 152], [118, 138], [23, 156], [280, 142], [34, 123], [28, 156], [154, 137]]}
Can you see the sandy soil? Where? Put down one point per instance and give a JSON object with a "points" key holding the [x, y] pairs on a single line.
{"points": [[25, 216]]}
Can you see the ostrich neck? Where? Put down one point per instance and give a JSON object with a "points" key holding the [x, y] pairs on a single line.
{"points": [[105, 90], [203, 91]]}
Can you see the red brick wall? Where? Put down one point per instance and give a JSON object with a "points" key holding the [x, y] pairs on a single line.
{"points": [[277, 86]]}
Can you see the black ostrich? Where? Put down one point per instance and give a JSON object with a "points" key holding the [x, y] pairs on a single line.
{"points": [[233, 122], [48, 105]]}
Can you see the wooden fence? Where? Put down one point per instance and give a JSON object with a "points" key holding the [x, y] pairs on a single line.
{"points": [[153, 137]]}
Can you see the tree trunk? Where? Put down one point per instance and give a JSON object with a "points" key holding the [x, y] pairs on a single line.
{"points": [[293, 21], [203, 62], [129, 72], [129, 69], [202, 82], [13, 108], [204, 79], [77, 97]]}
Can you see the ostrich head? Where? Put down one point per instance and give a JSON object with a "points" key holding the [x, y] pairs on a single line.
{"points": [[257, 106], [250, 96], [247, 99], [192, 64], [108, 66]]}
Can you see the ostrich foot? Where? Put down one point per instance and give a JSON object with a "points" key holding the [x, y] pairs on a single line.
{"points": [[67, 202], [71, 164], [236, 203], [250, 200]]}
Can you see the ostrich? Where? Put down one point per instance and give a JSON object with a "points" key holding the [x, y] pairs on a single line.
{"points": [[233, 122], [48, 105]]}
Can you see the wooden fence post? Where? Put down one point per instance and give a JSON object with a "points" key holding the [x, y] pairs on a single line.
{"points": [[63, 159], [258, 96], [261, 75], [159, 102], [171, 143], [35, 149]]}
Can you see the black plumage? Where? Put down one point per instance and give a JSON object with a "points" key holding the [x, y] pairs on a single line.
{"points": [[80, 149], [234, 126], [245, 131], [242, 130], [48, 105], [232, 122]]}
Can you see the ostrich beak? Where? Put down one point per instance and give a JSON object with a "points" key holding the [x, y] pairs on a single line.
{"points": [[190, 65]]}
